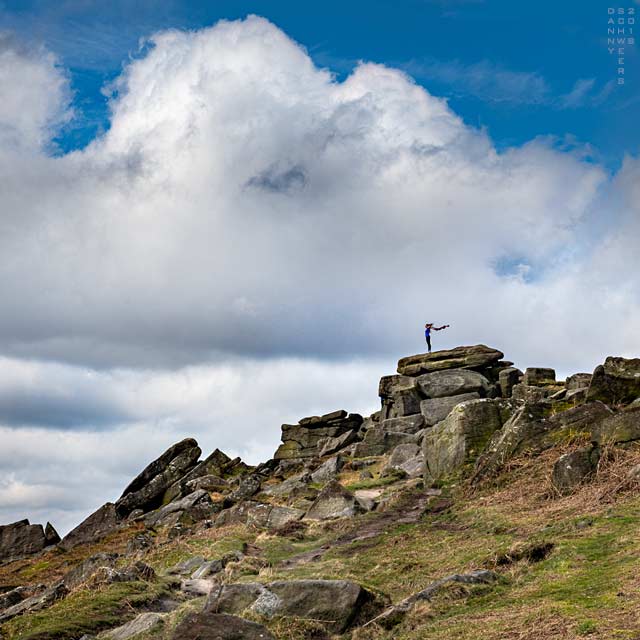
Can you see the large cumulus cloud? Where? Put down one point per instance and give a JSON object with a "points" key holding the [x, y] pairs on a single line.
{"points": [[244, 210]]}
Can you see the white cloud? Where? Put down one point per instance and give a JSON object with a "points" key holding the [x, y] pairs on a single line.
{"points": [[253, 241]]}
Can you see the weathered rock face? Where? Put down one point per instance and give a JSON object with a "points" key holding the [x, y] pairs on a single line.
{"points": [[378, 441], [82, 572], [259, 514], [507, 379], [573, 468], [99, 524], [219, 626], [529, 430], [147, 489], [453, 382], [437, 409], [535, 376], [461, 437], [616, 382], [334, 602], [306, 439], [475, 357], [192, 508], [334, 501], [328, 470], [618, 428], [578, 381], [407, 458], [22, 539]]}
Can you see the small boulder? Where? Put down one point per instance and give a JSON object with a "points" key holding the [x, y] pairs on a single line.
{"points": [[334, 602], [334, 501], [572, 469], [617, 428], [210, 625], [192, 508]]}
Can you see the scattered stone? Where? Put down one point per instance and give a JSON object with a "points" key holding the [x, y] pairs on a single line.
{"points": [[140, 542], [334, 501], [616, 382], [196, 587], [365, 475], [14, 596], [186, 567], [453, 382], [336, 603], [572, 469], [475, 357], [258, 514], [219, 626], [142, 623], [437, 409], [459, 439], [36, 602]]}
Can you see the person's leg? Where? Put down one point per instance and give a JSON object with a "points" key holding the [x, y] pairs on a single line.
{"points": [[429, 343]]}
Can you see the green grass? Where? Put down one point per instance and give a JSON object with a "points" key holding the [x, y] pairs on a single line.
{"points": [[85, 611]]}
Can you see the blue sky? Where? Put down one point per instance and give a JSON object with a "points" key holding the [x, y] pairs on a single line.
{"points": [[520, 70]]}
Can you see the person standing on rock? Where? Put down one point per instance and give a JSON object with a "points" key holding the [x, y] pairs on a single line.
{"points": [[427, 332]]}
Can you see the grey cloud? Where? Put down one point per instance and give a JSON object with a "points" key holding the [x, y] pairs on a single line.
{"points": [[279, 181]]}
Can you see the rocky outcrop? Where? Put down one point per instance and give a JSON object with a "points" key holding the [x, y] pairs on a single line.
{"points": [[192, 508], [259, 514], [308, 437], [21, 539], [539, 376], [453, 382], [142, 623], [147, 489], [507, 379], [335, 603], [616, 382], [476, 357], [435, 410], [530, 430], [461, 437]]}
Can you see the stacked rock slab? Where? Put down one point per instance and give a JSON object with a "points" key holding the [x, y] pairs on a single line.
{"points": [[307, 438], [426, 389]]}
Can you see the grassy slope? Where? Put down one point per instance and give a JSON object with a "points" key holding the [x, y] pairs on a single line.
{"points": [[586, 587]]}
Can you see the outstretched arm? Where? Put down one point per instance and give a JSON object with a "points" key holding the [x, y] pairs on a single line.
{"points": [[444, 326]]}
